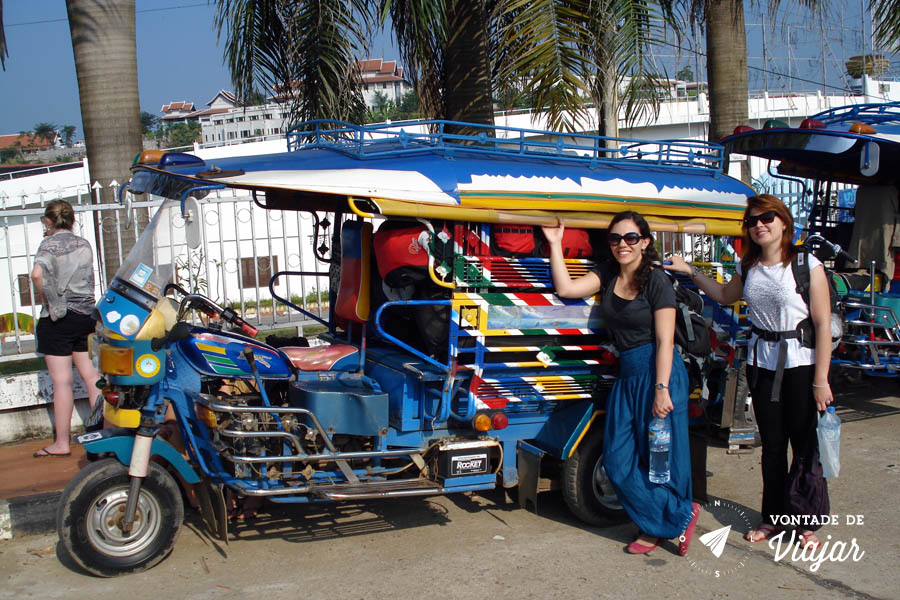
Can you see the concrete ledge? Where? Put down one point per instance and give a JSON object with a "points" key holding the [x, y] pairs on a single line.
{"points": [[29, 515], [26, 406]]}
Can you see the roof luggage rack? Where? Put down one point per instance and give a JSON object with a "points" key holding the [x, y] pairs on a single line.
{"points": [[381, 140]]}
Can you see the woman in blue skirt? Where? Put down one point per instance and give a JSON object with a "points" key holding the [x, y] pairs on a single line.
{"points": [[638, 307]]}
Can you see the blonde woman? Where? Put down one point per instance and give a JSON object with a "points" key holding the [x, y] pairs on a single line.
{"points": [[63, 274]]}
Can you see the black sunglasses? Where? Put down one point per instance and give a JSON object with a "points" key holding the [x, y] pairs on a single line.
{"points": [[766, 218], [631, 238]]}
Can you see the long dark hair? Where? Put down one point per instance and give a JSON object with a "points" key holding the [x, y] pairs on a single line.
{"points": [[753, 251], [649, 255]]}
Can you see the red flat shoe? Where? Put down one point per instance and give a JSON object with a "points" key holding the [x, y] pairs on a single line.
{"points": [[685, 540], [637, 548]]}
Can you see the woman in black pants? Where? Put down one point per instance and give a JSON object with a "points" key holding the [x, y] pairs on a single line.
{"points": [[788, 381]]}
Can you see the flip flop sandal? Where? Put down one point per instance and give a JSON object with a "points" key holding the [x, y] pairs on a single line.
{"points": [[808, 539], [44, 453], [765, 529]]}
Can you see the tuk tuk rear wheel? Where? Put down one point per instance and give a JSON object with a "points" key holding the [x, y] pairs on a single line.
{"points": [[587, 490], [89, 519]]}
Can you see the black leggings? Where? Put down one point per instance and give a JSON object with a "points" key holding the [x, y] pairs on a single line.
{"points": [[793, 419]]}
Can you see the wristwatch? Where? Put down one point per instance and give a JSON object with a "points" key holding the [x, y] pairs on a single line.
{"points": [[662, 386], [694, 272]]}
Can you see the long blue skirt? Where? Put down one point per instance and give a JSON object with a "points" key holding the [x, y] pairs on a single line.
{"points": [[659, 510]]}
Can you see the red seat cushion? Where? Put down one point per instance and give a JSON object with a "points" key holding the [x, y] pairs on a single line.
{"points": [[317, 358]]}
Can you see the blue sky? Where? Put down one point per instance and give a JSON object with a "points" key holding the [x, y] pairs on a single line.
{"points": [[179, 59]]}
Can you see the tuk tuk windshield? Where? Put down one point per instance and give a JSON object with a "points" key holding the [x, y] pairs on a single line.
{"points": [[151, 263]]}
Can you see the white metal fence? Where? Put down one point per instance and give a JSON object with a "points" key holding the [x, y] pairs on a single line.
{"points": [[242, 246]]}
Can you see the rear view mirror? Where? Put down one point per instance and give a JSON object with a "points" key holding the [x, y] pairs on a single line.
{"points": [[190, 212]]}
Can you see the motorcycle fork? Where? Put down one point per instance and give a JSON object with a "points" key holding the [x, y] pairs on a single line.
{"points": [[138, 468]]}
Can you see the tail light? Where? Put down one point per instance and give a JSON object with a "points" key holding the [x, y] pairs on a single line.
{"points": [[111, 396], [499, 420]]}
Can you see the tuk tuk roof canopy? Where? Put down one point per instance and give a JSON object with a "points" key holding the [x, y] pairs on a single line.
{"points": [[472, 172], [854, 144]]}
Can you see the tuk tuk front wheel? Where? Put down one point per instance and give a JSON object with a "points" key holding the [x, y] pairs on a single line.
{"points": [[587, 490], [89, 519]]}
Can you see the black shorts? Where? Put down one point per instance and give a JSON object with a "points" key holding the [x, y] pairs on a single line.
{"points": [[65, 336]]}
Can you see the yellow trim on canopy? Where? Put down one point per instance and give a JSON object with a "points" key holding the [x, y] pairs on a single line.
{"points": [[585, 220]]}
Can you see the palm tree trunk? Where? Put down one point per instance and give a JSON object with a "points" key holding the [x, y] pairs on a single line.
{"points": [[468, 73], [103, 42], [726, 66]]}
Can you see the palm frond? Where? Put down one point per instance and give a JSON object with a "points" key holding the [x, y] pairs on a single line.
{"points": [[542, 41], [304, 50], [3, 50], [420, 28], [886, 18]]}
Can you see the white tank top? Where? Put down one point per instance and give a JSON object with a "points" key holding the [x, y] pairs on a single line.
{"points": [[771, 295]]}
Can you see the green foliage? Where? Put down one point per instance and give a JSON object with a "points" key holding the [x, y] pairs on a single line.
{"points": [[46, 131], [685, 74], [384, 109], [149, 122], [188, 272], [8, 155], [183, 134], [68, 132]]}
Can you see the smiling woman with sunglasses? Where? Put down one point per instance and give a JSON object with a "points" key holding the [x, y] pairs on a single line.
{"points": [[785, 411], [638, 307]]}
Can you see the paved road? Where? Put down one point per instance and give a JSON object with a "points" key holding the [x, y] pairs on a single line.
{"points": [[483, 546]]}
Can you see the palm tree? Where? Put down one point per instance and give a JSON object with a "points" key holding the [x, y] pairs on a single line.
{"points": [[46, 132], [103, 42], [68, 132], [303, 50], [726, 65], [570, 51]]}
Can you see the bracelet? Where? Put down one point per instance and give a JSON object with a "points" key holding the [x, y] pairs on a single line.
{"points": [[821, 386], [695, 272]]}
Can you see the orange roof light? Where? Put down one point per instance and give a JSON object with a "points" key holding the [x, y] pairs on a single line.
{"points": [[148, 157], [862, 128]]}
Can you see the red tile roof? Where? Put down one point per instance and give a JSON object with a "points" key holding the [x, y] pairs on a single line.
{"points": [[183, 106], [28, 142]]}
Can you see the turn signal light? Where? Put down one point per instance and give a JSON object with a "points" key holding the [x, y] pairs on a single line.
{"points": [[499, 421], [206, 416], [482, 422], [115, 360]]}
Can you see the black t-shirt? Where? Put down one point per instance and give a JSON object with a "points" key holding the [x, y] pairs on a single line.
{"points": [[631, 321]]}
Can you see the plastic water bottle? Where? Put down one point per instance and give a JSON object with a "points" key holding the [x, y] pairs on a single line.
{"points": [[829, 432], [660, 440]]}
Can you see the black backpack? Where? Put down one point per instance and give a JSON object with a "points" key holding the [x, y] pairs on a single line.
{"points": [[806, 328], [691, 330]]}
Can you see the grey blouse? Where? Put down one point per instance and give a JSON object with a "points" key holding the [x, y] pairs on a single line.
{"points": [[67, 264]]}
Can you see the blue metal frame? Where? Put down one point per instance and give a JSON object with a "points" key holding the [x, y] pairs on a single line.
{"points": [[291, 304], [370, 141]]}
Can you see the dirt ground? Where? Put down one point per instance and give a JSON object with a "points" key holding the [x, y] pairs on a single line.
{"points": [[484, 546]]}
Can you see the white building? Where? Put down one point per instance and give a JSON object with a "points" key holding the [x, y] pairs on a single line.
{"points": [[384, 76]]}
